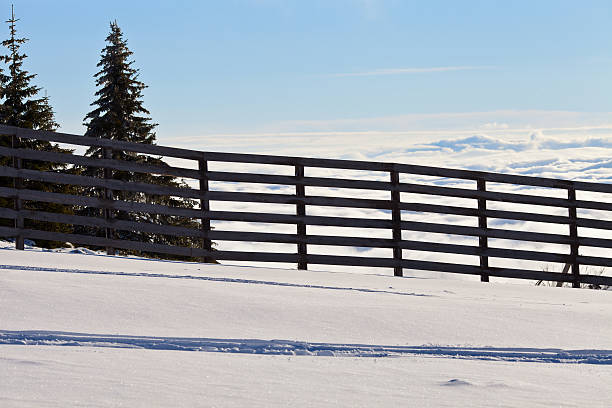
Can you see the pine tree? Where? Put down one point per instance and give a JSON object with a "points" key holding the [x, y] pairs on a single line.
{"points": [[119, 114], [22, 106]]}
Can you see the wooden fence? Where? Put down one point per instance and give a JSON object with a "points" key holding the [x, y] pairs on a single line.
{"points": [[572, 241]]}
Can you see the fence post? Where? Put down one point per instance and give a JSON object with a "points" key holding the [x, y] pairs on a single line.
{"points": [[108, 195], [573, 231], [18, 184], [483, 240], [205, 208], [300, 211], [396, 219]]}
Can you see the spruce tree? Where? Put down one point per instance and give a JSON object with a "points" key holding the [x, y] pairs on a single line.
{"points": [[119, 114], [22, 105]]}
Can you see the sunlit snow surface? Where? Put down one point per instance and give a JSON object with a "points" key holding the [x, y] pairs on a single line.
{"points": [[80, 329]]}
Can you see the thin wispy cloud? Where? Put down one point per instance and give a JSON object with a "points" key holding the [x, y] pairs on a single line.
{"points": [[406, 71]]}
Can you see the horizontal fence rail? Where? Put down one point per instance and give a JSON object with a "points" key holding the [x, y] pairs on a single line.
{"points": [[399, 181]]}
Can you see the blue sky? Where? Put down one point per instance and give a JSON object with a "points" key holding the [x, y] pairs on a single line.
{"points": [[249, 66]]}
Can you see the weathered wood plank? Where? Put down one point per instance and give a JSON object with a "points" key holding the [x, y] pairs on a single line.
{"points": [[9, 232], [438, 209], [396, 218], [93, 162], [150, 247], [294, 219], [497, 177], [523, 216], [110, 184], [488, 195], [595, 242], [593, 260], [108, 195], [594, 223], [103, 223], [504, 272], [473, 212], [351, 261], [490, 232], [299, 181], [99, 142], [67, 199], [204, 205], [503, 197], [475, 270], [454, 268], [573, 233], [104, 242], [300, 211], [487, 252], [9, 213], [596, 279], [304, 161], [255, 256], [18, 205], [482, 224], [527, 180], [292, 199]]}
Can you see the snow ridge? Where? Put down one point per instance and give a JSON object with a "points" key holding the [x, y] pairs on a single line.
{"points": [[301, 348]]}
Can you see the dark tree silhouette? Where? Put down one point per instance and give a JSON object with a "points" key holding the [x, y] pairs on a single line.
{"points": [[119, 114], [22, 105]]}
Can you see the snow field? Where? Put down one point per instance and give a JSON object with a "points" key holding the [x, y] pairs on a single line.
{"points": [[101, 377], [272, 337]]}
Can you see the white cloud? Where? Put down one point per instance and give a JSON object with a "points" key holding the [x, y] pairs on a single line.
{"points": [[365, 138]]}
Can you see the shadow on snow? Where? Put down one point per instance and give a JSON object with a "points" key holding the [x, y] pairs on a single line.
{"points": [[290, 347], [205, 278]]}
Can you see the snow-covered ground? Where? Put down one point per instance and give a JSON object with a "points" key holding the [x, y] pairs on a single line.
{"points": [[82, 329]]}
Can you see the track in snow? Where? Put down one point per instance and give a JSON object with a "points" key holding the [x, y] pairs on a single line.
{"points": [[203, 278], [288, 347]]}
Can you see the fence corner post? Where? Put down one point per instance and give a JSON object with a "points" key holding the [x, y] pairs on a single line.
{"points": [[396, 219], [205, 209], [108, 196], [573, 231], [483, 241], [300, 211], [18, 205]]}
